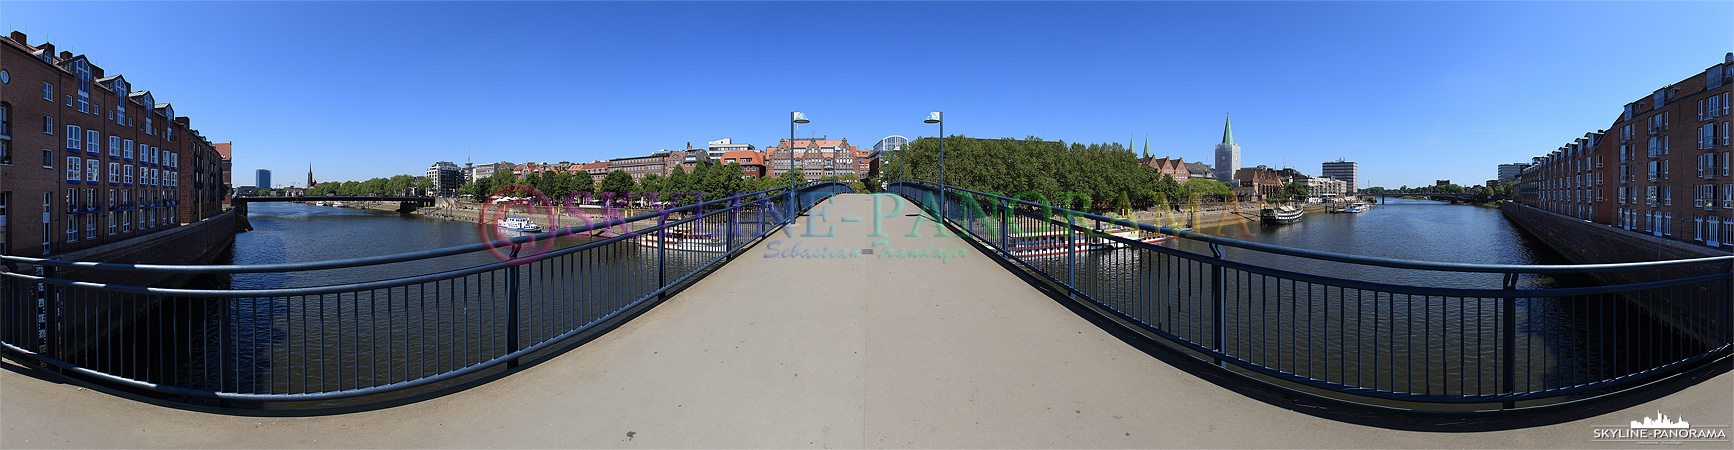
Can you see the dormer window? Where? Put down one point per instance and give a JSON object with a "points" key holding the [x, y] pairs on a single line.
{"points": [[81, 68]]}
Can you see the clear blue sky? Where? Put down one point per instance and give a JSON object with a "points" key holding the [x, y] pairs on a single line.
{"points": [[1412, 91]]}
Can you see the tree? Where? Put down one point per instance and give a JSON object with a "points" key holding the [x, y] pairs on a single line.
{"points": [[1206, 186], [1169, 191], [424, 185], [583, 182], [651, 185], [615, 186], [1294, 190]]}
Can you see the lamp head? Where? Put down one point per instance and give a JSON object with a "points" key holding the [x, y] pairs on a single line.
{"points": [[933, 117], [801, 117]]}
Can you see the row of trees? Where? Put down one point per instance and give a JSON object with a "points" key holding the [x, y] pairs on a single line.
{"points": [[1074, 175], [714, 181], [396, 185]]}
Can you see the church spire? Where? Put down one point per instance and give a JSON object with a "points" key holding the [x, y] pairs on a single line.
{"points": [[1227, 130]]}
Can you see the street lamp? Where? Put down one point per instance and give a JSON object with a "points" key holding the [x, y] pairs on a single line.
{"points": [[934, 117], [794, 118]]}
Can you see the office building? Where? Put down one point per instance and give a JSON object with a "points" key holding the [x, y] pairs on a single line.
{"points": [[263, 178], [1346, 171]]}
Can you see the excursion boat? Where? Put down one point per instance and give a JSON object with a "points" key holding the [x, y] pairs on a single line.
{"points": [[684, 241], [1055, 242], [337, 204], [519, 224], [320, 203], [1358, 208], [1278, 215]]}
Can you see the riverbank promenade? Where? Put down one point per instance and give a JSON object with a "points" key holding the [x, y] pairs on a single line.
{"points": [[872, 351]]}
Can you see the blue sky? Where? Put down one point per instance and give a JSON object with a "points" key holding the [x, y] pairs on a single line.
{"points": [[1412, 91]]}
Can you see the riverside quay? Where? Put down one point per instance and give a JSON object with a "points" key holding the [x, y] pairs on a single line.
{"points": [[686, 328]]}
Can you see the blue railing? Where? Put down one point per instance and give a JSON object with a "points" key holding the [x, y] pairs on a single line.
{"points": [[1274, 314], [322, 347]]}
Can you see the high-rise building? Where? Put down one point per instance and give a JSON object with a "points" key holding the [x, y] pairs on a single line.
{"points": [[445, 177], [1345, 171], [1227, 154], [263, 178], [1508, 172]]}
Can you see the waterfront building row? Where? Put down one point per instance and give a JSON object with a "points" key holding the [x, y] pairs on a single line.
{"points": [[87, 160], [1637, 175]]}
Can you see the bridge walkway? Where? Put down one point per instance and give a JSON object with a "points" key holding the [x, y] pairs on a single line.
{"points": [[772, 352]]}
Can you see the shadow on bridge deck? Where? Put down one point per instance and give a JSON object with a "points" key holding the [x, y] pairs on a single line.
{"points": [[869, 351]]}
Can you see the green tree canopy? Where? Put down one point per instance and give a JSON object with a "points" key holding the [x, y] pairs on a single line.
{"points": [[615, 186]]}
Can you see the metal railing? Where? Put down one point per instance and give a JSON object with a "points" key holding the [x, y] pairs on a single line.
{"points": [[1265, 312], [410, 334]]}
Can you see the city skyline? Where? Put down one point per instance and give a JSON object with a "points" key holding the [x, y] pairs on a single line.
{"points": [[1474, 86]]}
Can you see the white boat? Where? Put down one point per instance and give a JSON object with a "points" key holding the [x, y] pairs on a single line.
{"points": [[680, 240], [1055, 242], [1358, 208], [320, 203], [1279, 215], [519, 224], [337, 204]]}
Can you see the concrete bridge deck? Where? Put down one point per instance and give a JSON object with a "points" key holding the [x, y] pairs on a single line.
{"points": [[860, 353]]}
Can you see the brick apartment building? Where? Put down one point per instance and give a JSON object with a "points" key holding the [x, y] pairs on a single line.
{"points": [[816, 157], [1662, 169], [1175, 167], [1568, 180], [85, 160]]}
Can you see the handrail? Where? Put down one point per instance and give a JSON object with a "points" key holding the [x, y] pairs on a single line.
{"points": [[1409, 347], [283, 353], [373, 260], [1369, 260]]}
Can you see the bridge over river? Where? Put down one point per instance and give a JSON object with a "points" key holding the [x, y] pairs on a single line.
{"points": [[812, 336]]}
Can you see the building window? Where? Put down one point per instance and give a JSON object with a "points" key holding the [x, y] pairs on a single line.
{"points": [[128, 180], [113, 176], [91, 168], [74, 169], [72, 139], [47, 91]]}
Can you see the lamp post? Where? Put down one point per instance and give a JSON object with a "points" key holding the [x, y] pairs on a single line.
{"points": [[794, 118], [934, 117]]}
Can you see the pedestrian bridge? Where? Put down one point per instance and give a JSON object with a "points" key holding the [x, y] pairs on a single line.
{"points": [[838, 328]]}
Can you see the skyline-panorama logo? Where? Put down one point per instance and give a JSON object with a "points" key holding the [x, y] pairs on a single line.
{"points": [[1660, 430]]}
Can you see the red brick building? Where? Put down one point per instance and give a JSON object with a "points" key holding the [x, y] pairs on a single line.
{"points": [[1171, 167], [816, 157], [85, 160], [1567, 181], [1662, 169]]}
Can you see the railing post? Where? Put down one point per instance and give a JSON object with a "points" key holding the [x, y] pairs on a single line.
{"points": [[734, 212], [1071, 253], [512, 309], [225, 342], [1004, 235], [662, 258], [1218, 284], [1509, 326]]}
